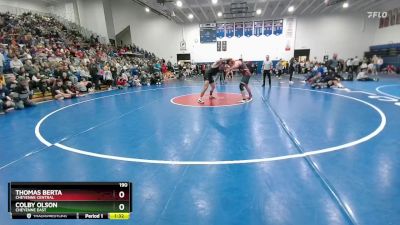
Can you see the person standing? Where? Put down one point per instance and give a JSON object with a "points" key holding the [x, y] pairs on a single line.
{"points": [[380, 63], [244, 82], [267, 67], [1, 62], [209, 79], [375, 62], [292, 64], [356, 64], [279, 68]]}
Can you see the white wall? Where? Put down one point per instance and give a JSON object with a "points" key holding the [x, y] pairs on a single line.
{"points": [[249, 48], [389, 34], [34, 5], [109, 18], [148, 30], [124, 36], [91, 16], [347, 35], [64, 9]]}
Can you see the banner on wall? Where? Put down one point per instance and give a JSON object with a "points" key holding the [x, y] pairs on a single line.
{"points": [[278, 27], [218, 46], [381, 22], [224, 46], [229, 30], [258, 28], [268, 25], [386, 20], [239, 29], [393, 17], [220, 30], [290, 26], [248, 28], [398, 16]]}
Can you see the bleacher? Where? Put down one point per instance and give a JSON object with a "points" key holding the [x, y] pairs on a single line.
{"points": [[389, 52]]}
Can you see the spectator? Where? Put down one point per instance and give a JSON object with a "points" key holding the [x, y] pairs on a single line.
{"points": [[6, 103], [279, 68], [16, 64], [43, 50], [58, 91], [333, 64], [356, 64], [22, 94], [380, 63], [1, 61]]}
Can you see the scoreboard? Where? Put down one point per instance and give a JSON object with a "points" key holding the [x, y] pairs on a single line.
{"points": [[71, 200], [208, 33]]}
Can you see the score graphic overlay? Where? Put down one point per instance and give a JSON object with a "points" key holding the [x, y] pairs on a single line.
{"points": [[71, 200]]}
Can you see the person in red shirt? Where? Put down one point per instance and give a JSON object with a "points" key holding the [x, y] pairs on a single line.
{"points": [[164, 68]]}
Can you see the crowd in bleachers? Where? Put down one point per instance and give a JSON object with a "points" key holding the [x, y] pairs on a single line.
{"points": [[39, 55]]}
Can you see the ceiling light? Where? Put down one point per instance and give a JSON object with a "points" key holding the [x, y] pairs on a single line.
{"points": [[214, 2], [258, 11], [345, 5], [219, 14], [179, 3], [147, 9], [190, 16], [291, 9]]}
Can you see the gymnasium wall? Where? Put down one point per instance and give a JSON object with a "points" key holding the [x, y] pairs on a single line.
{"points": [[347, 35], [387, 35], [24, 4], [148, 30], [65, 9], [92, 17], [109, 19], [249, 48], [391, 34]]}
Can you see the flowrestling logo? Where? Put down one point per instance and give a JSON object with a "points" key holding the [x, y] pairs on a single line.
{"points": [[377, 15]]}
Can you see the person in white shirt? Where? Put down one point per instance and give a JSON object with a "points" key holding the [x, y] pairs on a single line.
{"points": [[371, 67], [279, 68], [380, 63], [267, 67], [375, 62], [364, 66], [364, 75], [349, 65], [16, 64], [356, 64]]}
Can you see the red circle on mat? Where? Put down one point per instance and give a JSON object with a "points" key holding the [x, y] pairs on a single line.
{"points": [[222, 99]]}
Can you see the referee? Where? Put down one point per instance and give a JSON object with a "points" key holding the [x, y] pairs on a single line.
{"points": [[267, 67]]}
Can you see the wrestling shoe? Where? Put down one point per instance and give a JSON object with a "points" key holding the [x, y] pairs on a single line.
{"points": [[200, 101]]}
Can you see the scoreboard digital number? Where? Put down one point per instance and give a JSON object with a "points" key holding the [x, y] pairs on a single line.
{"points": [[71, 200]]}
